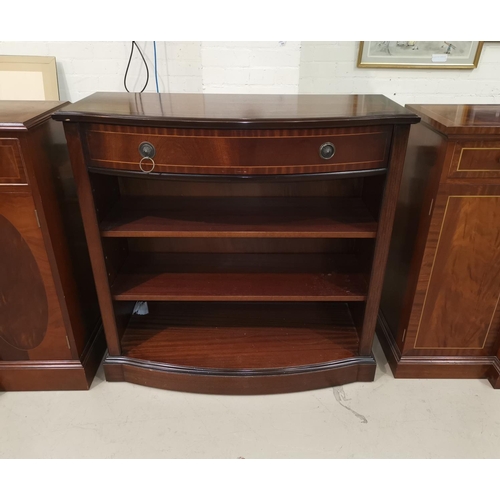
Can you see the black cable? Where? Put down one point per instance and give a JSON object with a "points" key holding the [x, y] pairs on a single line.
{"points": [[134, 44]]}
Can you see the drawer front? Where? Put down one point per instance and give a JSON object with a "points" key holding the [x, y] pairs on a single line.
{"points": [[258, 152], [12, 169], [476, 159]]}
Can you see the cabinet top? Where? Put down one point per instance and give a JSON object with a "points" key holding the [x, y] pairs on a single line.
{"points": [[21, 115], [460, 119], [236, 110]]}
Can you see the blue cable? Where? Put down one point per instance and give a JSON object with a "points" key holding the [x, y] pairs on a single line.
{"points": [[156, 69]]}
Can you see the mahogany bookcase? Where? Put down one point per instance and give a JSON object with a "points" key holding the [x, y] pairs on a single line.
{"points": [[255, 227]]}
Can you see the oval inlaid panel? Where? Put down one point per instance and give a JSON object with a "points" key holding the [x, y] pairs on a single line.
{"points": [[23, 301]]}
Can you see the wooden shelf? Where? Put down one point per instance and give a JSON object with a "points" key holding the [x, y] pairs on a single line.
{"points": [[241, 336], [236, 217], [240, 277]]}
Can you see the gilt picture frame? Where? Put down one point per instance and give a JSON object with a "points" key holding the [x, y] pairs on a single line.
{"points": [[419, 55]]}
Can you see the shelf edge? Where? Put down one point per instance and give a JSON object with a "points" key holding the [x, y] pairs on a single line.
{"points": [[250, 372], [248, 178]]}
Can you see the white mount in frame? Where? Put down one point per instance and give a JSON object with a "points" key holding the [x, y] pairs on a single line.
{"points": [[426, 55]]}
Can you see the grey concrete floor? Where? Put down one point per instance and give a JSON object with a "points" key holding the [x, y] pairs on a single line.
{"points": [[385, 418]]}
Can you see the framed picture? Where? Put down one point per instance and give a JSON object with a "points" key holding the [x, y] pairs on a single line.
{"points": [[425, 55], [30, 78]]}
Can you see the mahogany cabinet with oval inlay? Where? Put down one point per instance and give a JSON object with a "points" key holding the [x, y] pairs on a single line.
{"points": [[51, 334], [254, 227], [439, 314]]}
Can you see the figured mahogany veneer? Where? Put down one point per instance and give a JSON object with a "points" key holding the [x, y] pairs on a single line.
{"points": [[237, 111], [208, 347], [473, 159], [251, 152], [12, 170], [460, 120], [480, 159], [21, 281], [240, 277], [242, 336], [261, 263], [50, 330], [439, 313]]}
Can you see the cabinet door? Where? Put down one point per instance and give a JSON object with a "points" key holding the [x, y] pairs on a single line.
{"points": [[455, 308], [31, 323]]}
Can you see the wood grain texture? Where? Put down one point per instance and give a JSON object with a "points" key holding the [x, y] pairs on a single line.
{"points": [[257, 152], [43, 156], [241, 336], [232, 187], [437, 228], [54, 375], [39, 331], [283, 217], [263, 242], [43, 376], [87, 208], [481, 159], [240, 277], [233, 111], [464, 285], [462, 119], [248, 245], [447, 325], [12, 169], [268, 177], [20, 283], [475, 160], [51, 345], [387, 211], [24, 115], [119, 369], [60, 212], [421, 175], [435, 366]]}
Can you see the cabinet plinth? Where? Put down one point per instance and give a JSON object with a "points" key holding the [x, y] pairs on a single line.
{"points": [[260, 257]]}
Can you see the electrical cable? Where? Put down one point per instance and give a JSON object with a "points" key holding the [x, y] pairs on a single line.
{"points": [[134, 44], [156, 69]]}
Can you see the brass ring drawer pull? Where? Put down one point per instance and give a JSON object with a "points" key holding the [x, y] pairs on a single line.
{"points": [[152, 164], [147, 151]]}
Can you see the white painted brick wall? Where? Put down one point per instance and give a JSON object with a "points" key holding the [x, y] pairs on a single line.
{"points": [[251, 67], [330, 67], [87, 67], [258, 67]]}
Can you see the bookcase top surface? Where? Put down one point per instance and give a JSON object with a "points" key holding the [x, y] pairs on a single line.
{"points": [[21, 115], [236, 110], [453, 119]]}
